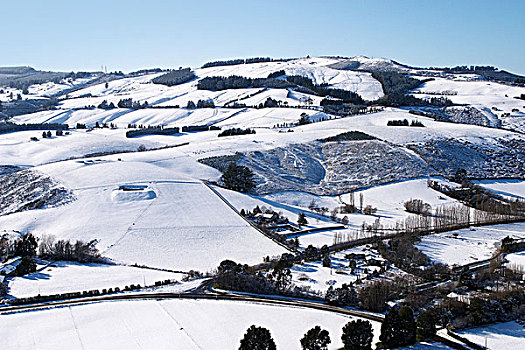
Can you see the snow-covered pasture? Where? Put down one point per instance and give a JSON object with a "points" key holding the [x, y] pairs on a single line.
{"points": [[500, 336], [162, 324], [17, 149], [175, 222], [468, 245], [65, 277], [389, 200], [509, 188]]}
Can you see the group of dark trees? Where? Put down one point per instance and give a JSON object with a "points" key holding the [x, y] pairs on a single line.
{"points": [[197, 128], [312, 253], [417, 206], [238, 178], [404, 122], [323, 90], [346, 295], [277, 74], [270, 222], [24, 247], [11, 127], [221, 163], [65, 250], [348, 136], [242, 61], [175, 77], [159, 130], [201, 104], [402, 252], [467, 68], [104, 105], [396, 87], [357, 335], [104, 125], [375, 295], [237, 82], [236, 131], [123, 103], [233, 276], [48, 134], [398, 329]]}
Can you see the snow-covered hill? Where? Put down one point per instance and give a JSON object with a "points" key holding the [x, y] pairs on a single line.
{"points": [[175, 221]]}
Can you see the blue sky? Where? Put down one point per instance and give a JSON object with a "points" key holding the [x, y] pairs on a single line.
{"points": [[130, 35]]}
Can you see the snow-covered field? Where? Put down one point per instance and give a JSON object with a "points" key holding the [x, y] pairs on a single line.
{"points": [[174, 222], [500, 336], [158, 324], [468, 245], [508, 188], [65, 277]]}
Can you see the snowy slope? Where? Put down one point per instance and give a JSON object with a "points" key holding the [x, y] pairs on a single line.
{"points": [[66, 276], [509, 188], [501, 336], [164, 324], [178, 223], [492, 99], [141, 89], [469, 245]]}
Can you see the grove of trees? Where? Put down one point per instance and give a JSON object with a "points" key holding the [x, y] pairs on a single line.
{"points": [[238, 178]]}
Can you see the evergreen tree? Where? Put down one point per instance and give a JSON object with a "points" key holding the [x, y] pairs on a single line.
{"points": [[407, 326], [27, 265], [238, 178], [26, 245], [389, 336], [190, 104], [326, 261], [460, 176], [316, 339], [426, 325], [398, 328], [357, 335], [302, 220], [257, 338]]}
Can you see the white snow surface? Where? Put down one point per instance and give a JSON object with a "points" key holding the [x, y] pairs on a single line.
{"points": [[468, 245], [509, 188], [65, 277], [163, 324], [500, 336]]}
